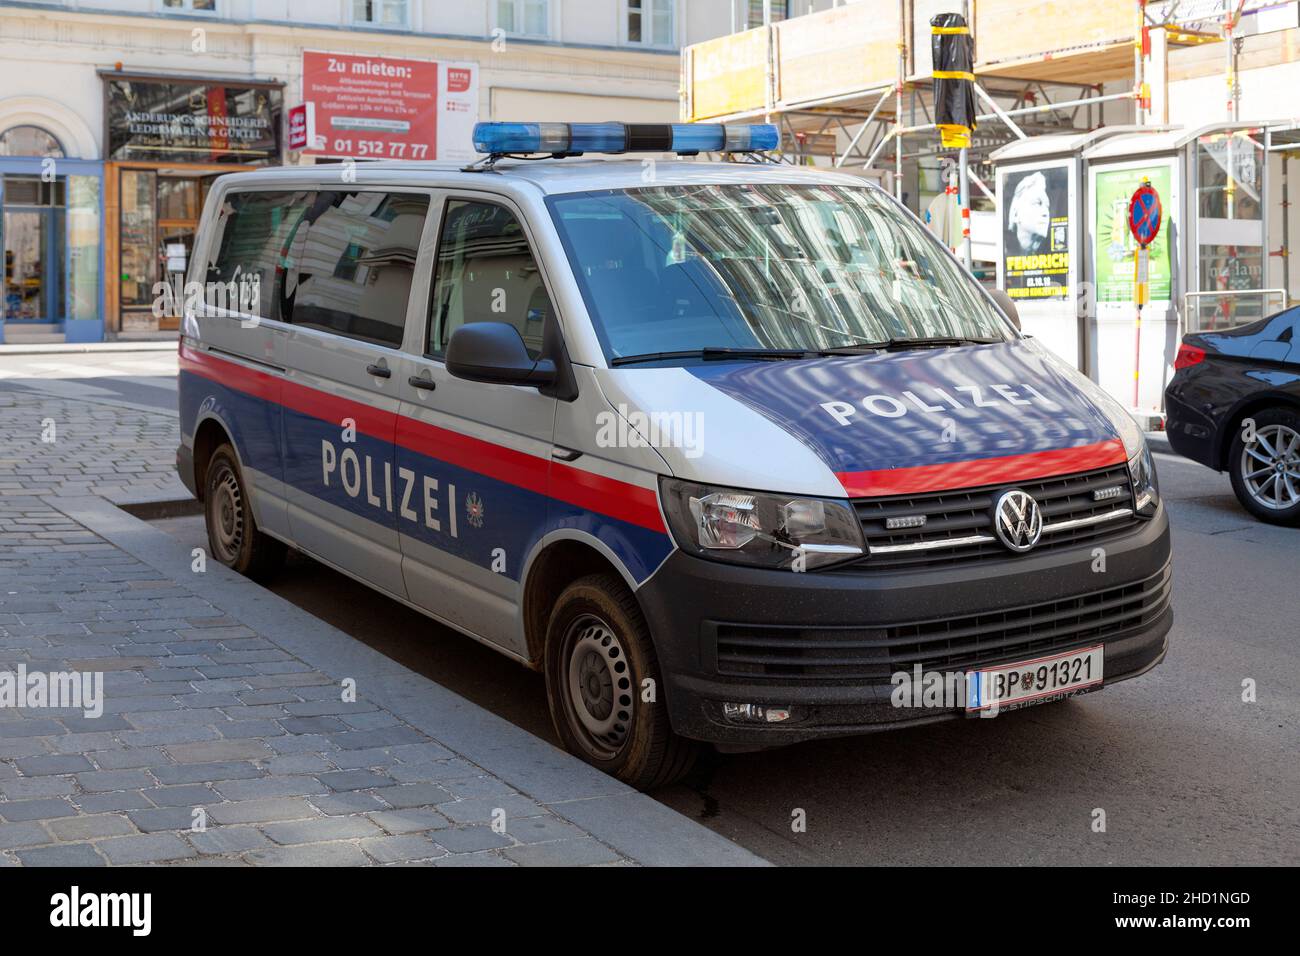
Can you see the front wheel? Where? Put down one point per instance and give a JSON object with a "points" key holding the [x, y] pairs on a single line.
{"points": [[233, 536], [1266, 470], [604, 688]]}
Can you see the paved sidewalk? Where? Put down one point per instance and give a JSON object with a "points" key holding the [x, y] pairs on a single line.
{"points": [[224, 703]]}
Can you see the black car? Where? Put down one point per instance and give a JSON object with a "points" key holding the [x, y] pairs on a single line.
{"points": [[1234, 405]]}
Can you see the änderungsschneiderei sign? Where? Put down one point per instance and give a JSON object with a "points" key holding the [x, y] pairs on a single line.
{"points": [[1036, 234], [161, 119]]}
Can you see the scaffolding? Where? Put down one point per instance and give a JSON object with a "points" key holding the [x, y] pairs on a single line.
{"points": [[853, 84]]}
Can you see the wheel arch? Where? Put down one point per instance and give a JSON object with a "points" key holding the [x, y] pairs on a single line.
{"points": [[558, 560], [210, 434], [1250, 406]]}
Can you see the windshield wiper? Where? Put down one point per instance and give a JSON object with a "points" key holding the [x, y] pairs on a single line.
{"points": [[713, 354], [900, 344]]}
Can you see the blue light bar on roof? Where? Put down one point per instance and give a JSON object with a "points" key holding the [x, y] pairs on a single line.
{"points": [[572, 139]]}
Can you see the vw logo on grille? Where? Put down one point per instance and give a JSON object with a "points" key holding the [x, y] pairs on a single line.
{"points": [[1018, 520]]}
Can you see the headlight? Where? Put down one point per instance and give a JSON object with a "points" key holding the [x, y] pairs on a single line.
{"points": [[1146, 490], [765, 530]]}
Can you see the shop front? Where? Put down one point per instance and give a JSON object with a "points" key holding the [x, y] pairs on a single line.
{"points": [[50, 233], [166, 138]]}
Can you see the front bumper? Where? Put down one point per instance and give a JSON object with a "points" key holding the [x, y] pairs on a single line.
{"points": [[1044, 604]]}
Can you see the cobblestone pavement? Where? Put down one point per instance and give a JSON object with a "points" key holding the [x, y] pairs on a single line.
{"points": [[203, 717], [62, 447]]}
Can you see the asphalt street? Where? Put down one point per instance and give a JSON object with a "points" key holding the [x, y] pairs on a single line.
{"points": [[1181, 769]]}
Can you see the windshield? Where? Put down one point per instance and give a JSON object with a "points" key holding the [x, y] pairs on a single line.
{"points": [[681, 269]]}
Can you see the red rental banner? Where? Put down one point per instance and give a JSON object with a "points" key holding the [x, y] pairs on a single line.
{"points": [[376, 107]]}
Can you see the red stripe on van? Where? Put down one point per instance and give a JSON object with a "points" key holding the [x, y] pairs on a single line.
{"points": [[982, 471], [608, 496]]}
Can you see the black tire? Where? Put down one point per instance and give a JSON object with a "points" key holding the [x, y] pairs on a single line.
{"points": [[233, 536], [598, 637], [1256, 486]]}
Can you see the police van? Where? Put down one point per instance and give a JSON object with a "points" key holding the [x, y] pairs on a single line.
{"points": [[733, 452]]}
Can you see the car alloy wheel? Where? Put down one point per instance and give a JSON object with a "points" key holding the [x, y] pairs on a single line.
{"points": [[1270, 467]]}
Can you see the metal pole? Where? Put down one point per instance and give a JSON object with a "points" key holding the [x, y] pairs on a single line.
{"points": [[853, 143], [1286, 232], [963, 198], [1025, 111], [1139, 66], [999, 112], [898, 110], [963, 174]]}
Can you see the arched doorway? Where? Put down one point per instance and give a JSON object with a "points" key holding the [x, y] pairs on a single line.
{"points": [[33, 229]]}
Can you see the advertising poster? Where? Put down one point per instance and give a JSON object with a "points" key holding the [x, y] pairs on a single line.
{"points": [[1036, 233], [374, 107], [1115, 244]]}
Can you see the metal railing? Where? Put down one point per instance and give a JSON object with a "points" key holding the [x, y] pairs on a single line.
{"points": [[1223, 319]]}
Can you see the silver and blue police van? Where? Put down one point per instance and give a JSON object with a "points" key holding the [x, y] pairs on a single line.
{"points": [[733, 452]]}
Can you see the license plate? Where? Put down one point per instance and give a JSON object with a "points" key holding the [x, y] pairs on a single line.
{"points": [[1038, 681]]}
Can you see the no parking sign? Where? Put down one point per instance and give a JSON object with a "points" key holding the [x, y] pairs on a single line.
{"points": [[1144, 217]]}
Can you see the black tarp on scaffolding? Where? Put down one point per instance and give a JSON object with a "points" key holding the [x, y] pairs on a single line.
{"points": [[954, 79]]}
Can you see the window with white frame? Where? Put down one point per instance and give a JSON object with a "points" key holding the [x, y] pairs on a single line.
{"points": [[381, 13], [754, 12], [650, 22], [188, 6], [524, 18]]}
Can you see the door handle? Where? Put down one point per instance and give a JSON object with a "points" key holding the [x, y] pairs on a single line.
{"points": [[380, 371], [425, 383]]}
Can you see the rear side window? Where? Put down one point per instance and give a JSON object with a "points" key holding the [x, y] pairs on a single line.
{"points": [[486, 273], [355, 261], [247, 273]]}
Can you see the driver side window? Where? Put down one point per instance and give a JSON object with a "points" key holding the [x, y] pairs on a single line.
{"points": [[485, 273]]}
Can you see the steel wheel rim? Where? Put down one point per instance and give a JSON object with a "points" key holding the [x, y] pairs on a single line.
{"points": [[226, 516], [598, 686], [1270, 467]]}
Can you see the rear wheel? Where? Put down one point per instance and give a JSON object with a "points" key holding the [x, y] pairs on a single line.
{"points": [[599, 657], [1266, 471], [233, 537]]}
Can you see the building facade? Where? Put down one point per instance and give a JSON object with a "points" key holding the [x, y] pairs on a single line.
{"points": [[116, 114]]}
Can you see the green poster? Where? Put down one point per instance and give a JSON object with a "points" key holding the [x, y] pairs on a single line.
{"points": [[1115, 247]]}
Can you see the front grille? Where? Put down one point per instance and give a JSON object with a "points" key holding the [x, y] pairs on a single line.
{"points": [[952, 515], [871, 655]]}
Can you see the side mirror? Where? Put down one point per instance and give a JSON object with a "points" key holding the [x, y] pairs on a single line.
{"points": [[495, 352], [1007, 305]]}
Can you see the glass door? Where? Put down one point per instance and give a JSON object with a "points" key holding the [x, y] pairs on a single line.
{"points": [[1230, 255], [32, 230]]}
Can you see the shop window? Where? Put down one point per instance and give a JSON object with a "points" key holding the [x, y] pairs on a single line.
{"points": [[178, 198], [525, 18], [381, 13], [486, 273], [29, 141], [356, 266], [649, 22]]}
